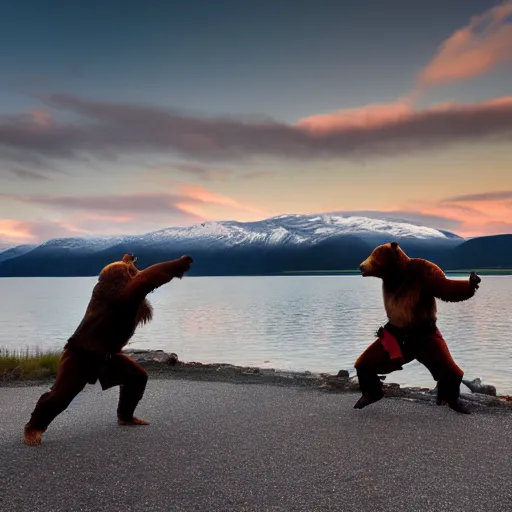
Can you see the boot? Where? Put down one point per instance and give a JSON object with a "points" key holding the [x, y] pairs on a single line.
{"points": [[448, 392], [457, 406], [368, 399], [371, 387]]}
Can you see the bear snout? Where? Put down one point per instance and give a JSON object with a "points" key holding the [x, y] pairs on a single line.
{"points": [[364, 267]]}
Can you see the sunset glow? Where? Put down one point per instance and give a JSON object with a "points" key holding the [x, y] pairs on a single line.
{"points": [[403, 111]]}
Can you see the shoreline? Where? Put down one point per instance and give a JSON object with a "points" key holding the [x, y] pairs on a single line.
{"points": [[487, 272], [163, 365]]}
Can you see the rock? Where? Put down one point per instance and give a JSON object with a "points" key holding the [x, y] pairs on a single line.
{"points": [[433, 391], [416, 389], [158, 360], [250, 371], [480, 399], [476, 386], [392, 386], [173, 359], [353, 383]]}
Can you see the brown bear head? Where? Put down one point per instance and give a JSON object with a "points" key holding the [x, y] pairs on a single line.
{"points": [[386, 260], [114, 277]]}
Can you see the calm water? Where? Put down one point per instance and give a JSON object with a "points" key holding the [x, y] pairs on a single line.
{"points": [[319, 323]]}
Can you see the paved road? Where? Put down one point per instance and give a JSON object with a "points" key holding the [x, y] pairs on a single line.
{"points": [[225, 447]]}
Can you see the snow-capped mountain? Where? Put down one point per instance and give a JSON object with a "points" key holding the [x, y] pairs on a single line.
{"points": [[283, 229], [292, 229], [322, 241], [90, 244], [289, 229]]}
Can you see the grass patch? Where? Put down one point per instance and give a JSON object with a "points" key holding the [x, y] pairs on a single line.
{"points": [[28, 364]]}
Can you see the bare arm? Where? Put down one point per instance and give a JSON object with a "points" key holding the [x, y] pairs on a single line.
{"points": [[452, 290], [157, 275]]}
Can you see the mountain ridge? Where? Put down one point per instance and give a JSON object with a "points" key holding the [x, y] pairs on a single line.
{"points": [[283, 243]]}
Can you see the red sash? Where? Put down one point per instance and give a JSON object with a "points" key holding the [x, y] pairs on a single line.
{"points": [[391, 346]]}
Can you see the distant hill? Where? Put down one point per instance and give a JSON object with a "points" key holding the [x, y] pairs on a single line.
{"points": [[482, 252], [287, 243], [12, 252]]}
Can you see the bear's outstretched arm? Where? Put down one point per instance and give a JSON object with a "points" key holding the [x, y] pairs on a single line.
{"points": [[452, 290], [157, 275]]}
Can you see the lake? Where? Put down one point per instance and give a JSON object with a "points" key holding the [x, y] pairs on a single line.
{"points": [[316, 323]]}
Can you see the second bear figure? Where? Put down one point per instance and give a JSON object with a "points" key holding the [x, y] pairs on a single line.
{"points": [[410, 287]]}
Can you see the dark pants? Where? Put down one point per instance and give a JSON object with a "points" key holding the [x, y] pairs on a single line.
{"points": [[78, 368], [426, 346]]}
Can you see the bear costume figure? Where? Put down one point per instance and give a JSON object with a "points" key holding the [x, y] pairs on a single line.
{"points": [[410, 287], [117, 306]]}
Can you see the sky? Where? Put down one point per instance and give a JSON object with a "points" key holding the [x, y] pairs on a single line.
{"points": [[122, 117]]}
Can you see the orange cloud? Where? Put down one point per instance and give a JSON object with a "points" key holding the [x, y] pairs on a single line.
{"points": [[370, 116], [204, 195], [477, 215], [471, 51], [20, 232], [127, 213], [479, 47], [394, 115], [14, 230]]}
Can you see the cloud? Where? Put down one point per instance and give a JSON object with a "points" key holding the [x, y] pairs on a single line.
{"points": [[28, 232], [98, 215], [368, 117], [400, 125], [24, 174], [109, 129], [488, 213], [486, 196], [201, 172], [477, 214], [196, 194], [476, 49], [206, 173], [13, 230], [128, 213], [130, 204], [149, 202]]}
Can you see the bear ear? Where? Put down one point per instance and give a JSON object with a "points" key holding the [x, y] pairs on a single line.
{"points": [[394, 245]]}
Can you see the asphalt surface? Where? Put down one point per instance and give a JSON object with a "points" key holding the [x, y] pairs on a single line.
{"points": [[226, 447]]}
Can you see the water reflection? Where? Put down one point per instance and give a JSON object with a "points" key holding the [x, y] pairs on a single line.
{"points": [[318, 323]]}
